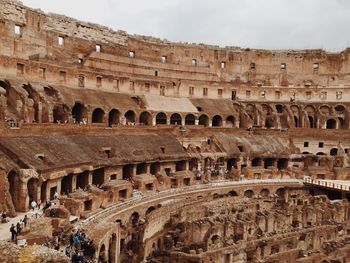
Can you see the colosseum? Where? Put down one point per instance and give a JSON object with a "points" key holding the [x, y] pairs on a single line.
{"points": [[154, 151]]}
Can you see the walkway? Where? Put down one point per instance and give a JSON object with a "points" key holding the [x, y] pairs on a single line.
{"points": [[339, 185]]}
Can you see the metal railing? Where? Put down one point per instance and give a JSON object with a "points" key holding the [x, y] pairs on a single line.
{"points": [[323, 183]]}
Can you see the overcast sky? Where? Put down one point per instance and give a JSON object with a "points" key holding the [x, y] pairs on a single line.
{"points": [[271, 24]]}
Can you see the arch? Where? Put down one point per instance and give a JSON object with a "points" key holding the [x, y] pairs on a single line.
{"points": [[296, 122], [204, 120], [248, 193], [279, 108], [82, 180], [334, 152], [113, 117], [67, 184], [98, 177], [161, 118], [215, 239], [282, 164], [264, 193], [150, 209], [230, 121], [217, 121], [340, 109], [127, 172], [305, 153], [256, 162], [232, 193], [175, 119], [280, 192], [141, 168], [13, 180], [60, 114], [145, 118], [331, 124], [311, 121], [320, 153], [181, 165], [130, 117], [190, 119], [155, 168], [134, 219], [325, 110], [33, 186], [268, 162], [98, 115], [102, 254], [79, 113]]}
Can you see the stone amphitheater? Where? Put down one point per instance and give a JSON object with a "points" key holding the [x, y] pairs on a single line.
{"points": [[171, 152]]}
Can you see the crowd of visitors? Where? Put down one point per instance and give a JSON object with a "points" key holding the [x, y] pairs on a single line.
{"points": [[75, 245]]}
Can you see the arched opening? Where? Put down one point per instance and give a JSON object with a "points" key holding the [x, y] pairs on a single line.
{"points": [[82, 180], [134, 219], [130, 117], [33, 187], [79, 113], [230, 121], [311, 122], [296, 122], [98, 116], [127, 172], [98, 177], [217, 121], [249, 193], [268, 163], [280, 192], [282, 164], [67, 184], [256, 162], [320, 153], [232, 193], [146, 118], [175, 119], [113, 117], [231, 164], [334, 152], [215, 240], [193, 164], [181, 166], [190, 119], [264, 193], [331, 124], [269, 121], [60, 114], [150, 209], [279, 108], [155, 168], [161, 118], [102, 254], [204, 120], [141, 168], [13, 181]]}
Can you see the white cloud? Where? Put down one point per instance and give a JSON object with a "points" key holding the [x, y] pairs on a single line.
{"points": [[272, 24]]}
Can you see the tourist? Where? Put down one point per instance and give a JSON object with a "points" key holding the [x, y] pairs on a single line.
{"points": [[25, 220], [33, 204], [18, 226], [13, 232]]}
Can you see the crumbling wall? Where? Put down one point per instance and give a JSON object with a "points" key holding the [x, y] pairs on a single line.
{"points": [[5, 196]]}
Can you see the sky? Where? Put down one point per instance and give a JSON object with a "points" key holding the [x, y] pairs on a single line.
{"points": [[267, 24]]}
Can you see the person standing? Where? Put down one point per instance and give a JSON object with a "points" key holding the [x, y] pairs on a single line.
{"points": [[33, 204], [13, 232], [18, 226], [25, 220], [39, 203]]}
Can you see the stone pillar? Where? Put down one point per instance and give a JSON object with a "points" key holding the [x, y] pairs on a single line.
{"points": [[183, 121], [90, 177], [40, 112], [134, 169], [148, 168], [210, 124], [154, 121], [74, 182], [196, 122]]}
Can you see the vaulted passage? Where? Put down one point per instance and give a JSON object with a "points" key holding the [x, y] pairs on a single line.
{"points": [[161, 118], [79, 113], [98, 116]]}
